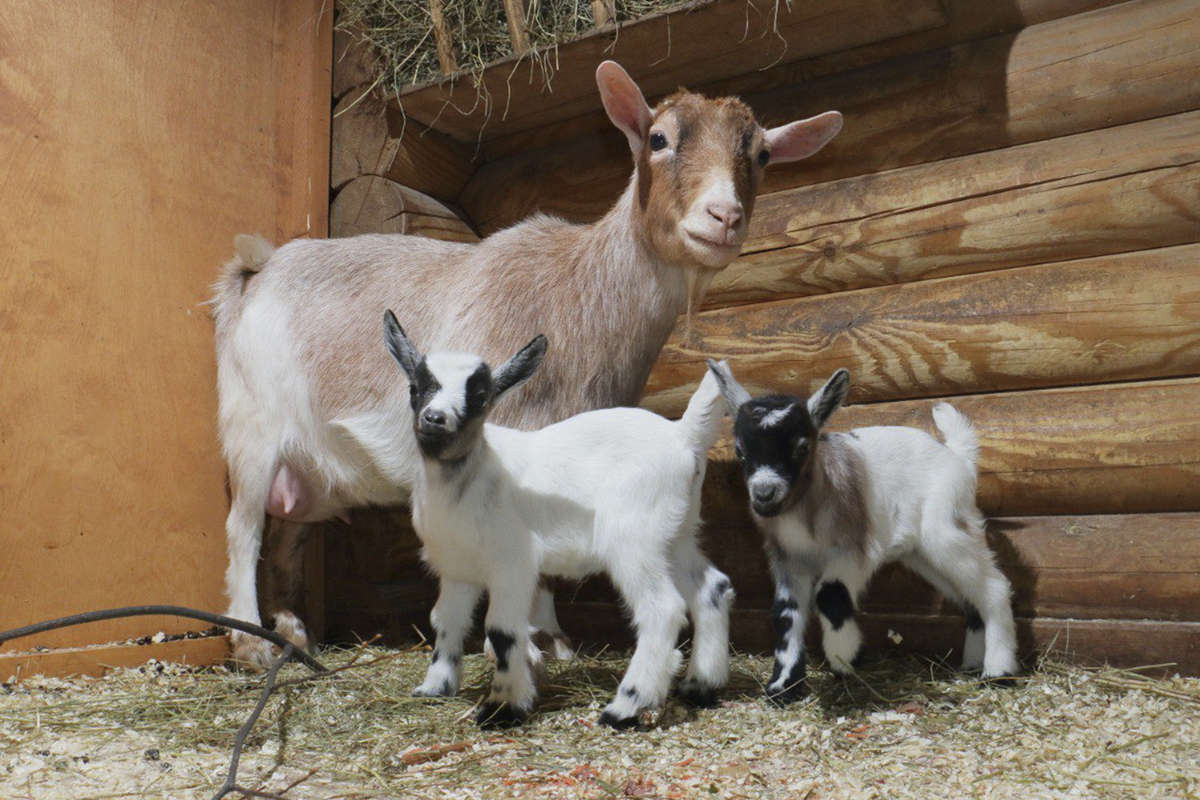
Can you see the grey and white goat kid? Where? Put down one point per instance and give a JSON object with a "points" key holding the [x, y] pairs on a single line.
{"points": [[835, 507], [614, 491]]}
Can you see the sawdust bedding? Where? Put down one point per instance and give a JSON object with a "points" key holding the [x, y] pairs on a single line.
{"points": [[902, 728]]}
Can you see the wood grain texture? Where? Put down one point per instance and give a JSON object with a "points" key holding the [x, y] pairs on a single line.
{"points": [[1109, 449], [185, 123], [662, 51], [426, 160], [377, 205], [95, 661], [1117, 318], [1114, 190], [1116, 65], [360, 144]]}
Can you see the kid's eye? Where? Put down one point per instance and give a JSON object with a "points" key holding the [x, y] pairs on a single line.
{"points": [[657, 141], [737, 451], [763, 158]]}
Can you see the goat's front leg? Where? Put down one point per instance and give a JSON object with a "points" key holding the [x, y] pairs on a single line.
{"points": [[451, 620], [841, 583], [789, 617], [513, 691]]}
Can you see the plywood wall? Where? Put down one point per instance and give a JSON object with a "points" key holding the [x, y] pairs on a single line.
{"points": [[135, 140], [1009, 219]]}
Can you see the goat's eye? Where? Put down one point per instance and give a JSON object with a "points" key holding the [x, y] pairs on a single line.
{"points": [[738, 452], [802, 448], [763, 158], [657, 141]]}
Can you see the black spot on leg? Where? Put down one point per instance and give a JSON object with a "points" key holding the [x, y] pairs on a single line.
{"points": [[974, 621], [446, 689], [502, 645], [717, 597], [794, 686], [781, 622], [833, 600], [437, 656]]}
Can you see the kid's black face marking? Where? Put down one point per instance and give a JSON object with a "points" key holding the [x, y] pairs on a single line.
{"points": [[774, 433], [833, 601], [502, 645]]}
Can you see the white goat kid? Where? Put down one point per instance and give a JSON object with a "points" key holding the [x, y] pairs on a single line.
{"points": [[614, 491], [835, 507], [297, 331]]}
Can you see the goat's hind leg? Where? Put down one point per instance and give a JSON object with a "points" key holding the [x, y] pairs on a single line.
{"points": [[972, 660], [658, 616], [451, 621], [709, 595], [964, 562], [283, 584], [243, 533]]}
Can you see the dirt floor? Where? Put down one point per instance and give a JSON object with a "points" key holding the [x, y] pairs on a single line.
{"points": [[903, 728]]}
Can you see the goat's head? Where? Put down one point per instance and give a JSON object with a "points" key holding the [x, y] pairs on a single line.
{"points": [[699, 162], [776, 437], [452, 393]]}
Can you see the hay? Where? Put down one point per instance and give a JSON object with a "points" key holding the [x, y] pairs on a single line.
{"points": [[903, 728], [400, 33]]}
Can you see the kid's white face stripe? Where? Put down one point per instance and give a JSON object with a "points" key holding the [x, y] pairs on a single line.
{"points": [[776, 417]]}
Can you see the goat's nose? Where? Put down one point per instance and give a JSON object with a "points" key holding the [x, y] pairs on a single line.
{"points": [[433, 417], [728, 214], [764, 493]]}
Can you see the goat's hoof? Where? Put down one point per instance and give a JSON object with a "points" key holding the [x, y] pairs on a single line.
{"points": [[444, 689], [250, 652], [500, 715], [787, 695], [289, 626], [697, 694], [1005, 680], [618, 723]]}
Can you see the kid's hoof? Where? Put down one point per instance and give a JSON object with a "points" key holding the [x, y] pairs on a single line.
{"points": [[500, 715], [445, 689], [611, 720], [1008, 680], [787, 695], [697, 695]]}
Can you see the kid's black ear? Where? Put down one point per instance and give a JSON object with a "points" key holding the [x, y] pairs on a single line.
{"points": [[399, 345], [733, 392], [827, 399], [517, 369]]}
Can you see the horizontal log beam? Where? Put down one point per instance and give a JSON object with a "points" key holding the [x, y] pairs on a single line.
{"points": [[1061, 199], [376, 205], [1117, 318], [1116, 65]]}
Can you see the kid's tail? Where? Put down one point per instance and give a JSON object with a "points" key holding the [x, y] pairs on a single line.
{"points": [[702, 420], [957, 431]]}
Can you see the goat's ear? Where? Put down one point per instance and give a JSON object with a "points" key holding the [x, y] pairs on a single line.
{"points": [[802, 138], [399, 345], [624, 103], [733, 392], [518, 368], [827, 399]]}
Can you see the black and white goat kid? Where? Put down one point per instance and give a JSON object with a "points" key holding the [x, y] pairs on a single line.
{"points": [[834, 507], [614, 491]]}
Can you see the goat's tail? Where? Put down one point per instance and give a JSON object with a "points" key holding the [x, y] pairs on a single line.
{"points": [[957, 431], [251, 252], [702, 420]]}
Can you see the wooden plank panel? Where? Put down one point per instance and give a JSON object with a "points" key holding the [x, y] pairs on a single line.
{"points": [[122, 200], [1113, 66], [1125, 188], [96, 661], [1099, 320], [1109, 449], [426, 160], [661, 51]]}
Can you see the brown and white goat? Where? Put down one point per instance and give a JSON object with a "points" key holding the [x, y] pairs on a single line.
{"points": [[311, 416]]}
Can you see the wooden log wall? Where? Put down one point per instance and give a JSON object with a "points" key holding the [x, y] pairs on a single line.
{"points": [[1010, 219]]}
